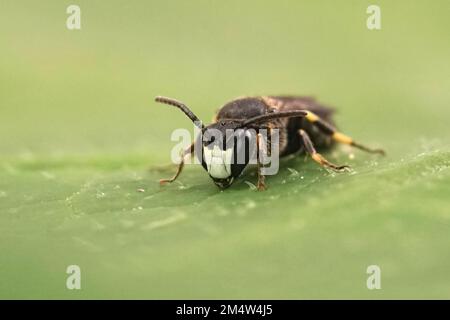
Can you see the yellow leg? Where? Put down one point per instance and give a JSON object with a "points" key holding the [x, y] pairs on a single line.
{"points": [[317, 157], [336, 135]]}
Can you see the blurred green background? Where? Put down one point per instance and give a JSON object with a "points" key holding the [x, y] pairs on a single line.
{"points": [[80, 134]]}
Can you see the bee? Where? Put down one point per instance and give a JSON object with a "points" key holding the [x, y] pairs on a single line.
{"points": [[303, 124]]}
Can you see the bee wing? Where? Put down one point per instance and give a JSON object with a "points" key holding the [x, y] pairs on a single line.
{"points": [[293, 103]]}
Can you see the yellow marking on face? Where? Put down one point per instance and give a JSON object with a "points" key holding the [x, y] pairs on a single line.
{"points": [[218, 162], [342, 138], [311, 117]]}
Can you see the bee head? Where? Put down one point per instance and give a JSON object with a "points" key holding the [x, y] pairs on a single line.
{"points": [[226, 146], [225, 151]]}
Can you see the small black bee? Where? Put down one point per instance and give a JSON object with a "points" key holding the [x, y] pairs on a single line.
{"points": [[303, 125]]}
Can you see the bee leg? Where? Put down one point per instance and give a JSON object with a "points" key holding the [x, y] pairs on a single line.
{"points": [[309, 147], [189, 150], [259, 148], [337, 136]]}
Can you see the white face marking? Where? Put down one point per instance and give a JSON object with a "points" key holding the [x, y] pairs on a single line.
{"points": [[218, 162]]}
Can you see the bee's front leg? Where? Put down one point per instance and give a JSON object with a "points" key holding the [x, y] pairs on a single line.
{"points": [[189, 150], [259, 149]]}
